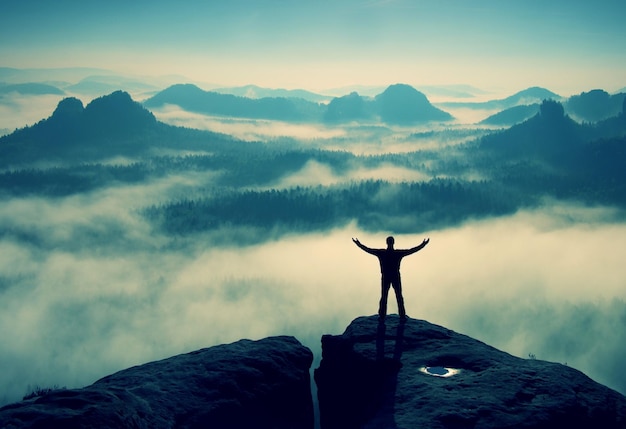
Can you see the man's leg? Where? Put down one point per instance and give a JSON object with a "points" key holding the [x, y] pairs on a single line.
{"points": [[384, 293], [397, 287]]}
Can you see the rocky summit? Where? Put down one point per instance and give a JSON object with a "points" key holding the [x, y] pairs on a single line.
{"points": [[247, 384], [419, 375], [393, 375]]}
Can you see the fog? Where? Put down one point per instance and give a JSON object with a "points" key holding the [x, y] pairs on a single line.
{"points": [[88, 287], [464, 115], [242, 128], [18, 111], [361, 139], [315, 173]]}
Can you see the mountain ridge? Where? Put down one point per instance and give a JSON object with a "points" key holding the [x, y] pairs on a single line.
{"points": [[402, 104], [399, 104], [111, 125], [512, 115], [595, 105], [529, 95], [33, 88], [255, 91], [192, 98]]}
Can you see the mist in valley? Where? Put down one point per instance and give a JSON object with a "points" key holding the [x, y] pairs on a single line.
{"points": [[131, 258], [178, 176], [17, 110], [89, 286]]}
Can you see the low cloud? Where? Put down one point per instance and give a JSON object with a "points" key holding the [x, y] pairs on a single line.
{"points": [[89, 288], [19, 111], [318, 174], [245, 129], [372, 139], [466, 115]]}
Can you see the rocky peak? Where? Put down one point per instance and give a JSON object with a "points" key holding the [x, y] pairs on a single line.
{"points": [[117, 114], [420, 375], [262, 384], [396, 375], [351, 107], [402, 104], [68, 109], [551, 110], [64, 124]]}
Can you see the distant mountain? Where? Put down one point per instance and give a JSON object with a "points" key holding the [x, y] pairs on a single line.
{"points": [[613, 126], [398, 104], [548, 135], [402, 104], [531, 95], [528, 96], [109, 126], [193, 99], [88, 81], [551, 154], [585, 152], [363, 90], [111, 116], [116, 115], [595, 105], [592, 106], [253, 91], [513, 115], [46, 75], [104, 84], [30, 89], [351, 107], [452, 91], [106, 123]]}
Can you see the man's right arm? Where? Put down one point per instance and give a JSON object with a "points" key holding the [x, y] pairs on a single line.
{"points": [[362, 246]]}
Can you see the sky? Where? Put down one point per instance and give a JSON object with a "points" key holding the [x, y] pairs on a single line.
{"points": [[565, 46]]}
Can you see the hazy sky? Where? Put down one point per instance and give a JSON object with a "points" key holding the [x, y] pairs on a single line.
{"points": [[566, 46]]}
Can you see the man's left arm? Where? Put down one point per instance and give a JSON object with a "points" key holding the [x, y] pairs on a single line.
{"points": [[418, 248]]}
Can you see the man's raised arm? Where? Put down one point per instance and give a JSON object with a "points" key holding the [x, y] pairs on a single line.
{"points": [[362, 246], [418, 248]]}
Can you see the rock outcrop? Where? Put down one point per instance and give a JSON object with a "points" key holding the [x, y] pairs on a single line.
{"points": [[391, 376], [419, 375], [260, 384]]}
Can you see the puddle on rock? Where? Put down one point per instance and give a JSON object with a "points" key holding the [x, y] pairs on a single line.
{"points": [[439, 371]]}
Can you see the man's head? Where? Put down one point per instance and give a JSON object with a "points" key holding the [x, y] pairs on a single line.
{"points": [[390, 241]]}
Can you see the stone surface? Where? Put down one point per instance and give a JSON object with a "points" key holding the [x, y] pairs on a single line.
{"points": [[260, 384], [375, 376]]}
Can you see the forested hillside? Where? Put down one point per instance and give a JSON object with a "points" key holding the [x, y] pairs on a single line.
{"points": [[245, 184]]}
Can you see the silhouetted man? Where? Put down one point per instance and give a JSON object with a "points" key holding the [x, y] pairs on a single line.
{"points": [[389, 259]]}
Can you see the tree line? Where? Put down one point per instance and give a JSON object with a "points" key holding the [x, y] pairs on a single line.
{"points": [[374, 204]]}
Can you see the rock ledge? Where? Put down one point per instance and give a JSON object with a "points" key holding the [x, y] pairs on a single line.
{"points": [[260, 384], [420, 375]]}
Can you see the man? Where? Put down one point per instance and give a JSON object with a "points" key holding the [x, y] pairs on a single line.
{"points": [[389, 259]]}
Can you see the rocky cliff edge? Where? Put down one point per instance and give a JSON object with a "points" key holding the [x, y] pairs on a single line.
{"points": [[246, 384], [420, 375], [411, 374]]}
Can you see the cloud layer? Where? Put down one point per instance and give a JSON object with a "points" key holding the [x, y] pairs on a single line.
{"points": [[88, 288]]}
